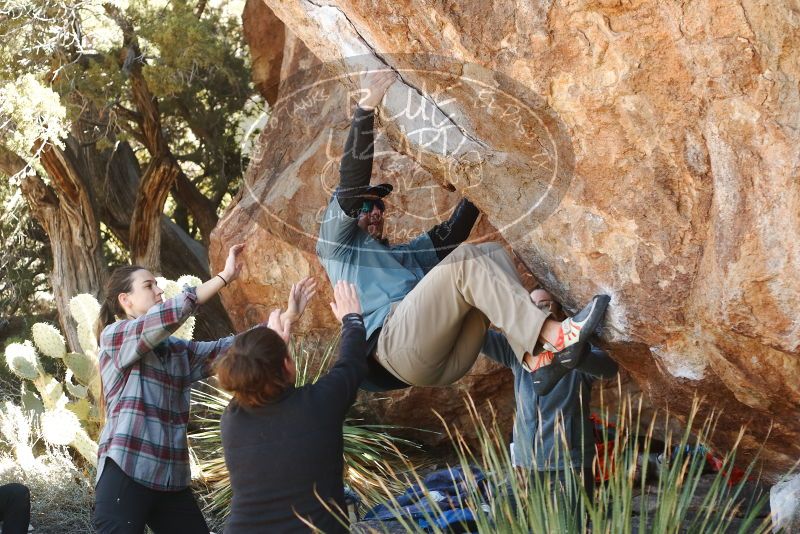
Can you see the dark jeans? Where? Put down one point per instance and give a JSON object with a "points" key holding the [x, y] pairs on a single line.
{"points": [[123, 506], [15, 508]]}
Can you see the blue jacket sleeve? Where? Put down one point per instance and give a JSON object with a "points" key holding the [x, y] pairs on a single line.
{"points": [[598, 364], [496, 347]]}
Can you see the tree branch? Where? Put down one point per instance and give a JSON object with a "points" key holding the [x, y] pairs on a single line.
{"points": [[163, 169], [203, 210], [128, 114], [201, 7], [10, 163], [145, 232]]}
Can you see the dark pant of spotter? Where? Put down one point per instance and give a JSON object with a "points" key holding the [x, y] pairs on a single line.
{"points": [[15, 508], [123, 506]]}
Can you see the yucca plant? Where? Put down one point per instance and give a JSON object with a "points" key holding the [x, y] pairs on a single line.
{"points": [[369, 450], [510, 500]]}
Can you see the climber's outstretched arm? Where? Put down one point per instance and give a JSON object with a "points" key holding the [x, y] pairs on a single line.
{"points": [[355, 168]]}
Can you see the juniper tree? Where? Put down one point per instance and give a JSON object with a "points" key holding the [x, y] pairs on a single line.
{"points": [[118, 123]]}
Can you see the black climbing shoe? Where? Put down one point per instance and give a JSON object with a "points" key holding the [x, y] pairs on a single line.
{"points": [[578, 329], [572, 356]]}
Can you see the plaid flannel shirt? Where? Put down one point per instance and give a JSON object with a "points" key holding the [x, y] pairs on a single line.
{"points": [[147, 377]]}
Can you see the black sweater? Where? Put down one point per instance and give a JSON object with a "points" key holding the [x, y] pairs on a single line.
{"points": [[279, 454]]}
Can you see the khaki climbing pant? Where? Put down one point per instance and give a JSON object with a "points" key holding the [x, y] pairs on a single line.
{"points": [[434, 335]]}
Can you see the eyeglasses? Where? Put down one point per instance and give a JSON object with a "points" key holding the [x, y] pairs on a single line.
{"points": [[547, 306], [368, 205]]}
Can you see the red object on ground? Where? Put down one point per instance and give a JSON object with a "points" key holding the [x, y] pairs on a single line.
{"points": [[604, 461], [736, 474]]}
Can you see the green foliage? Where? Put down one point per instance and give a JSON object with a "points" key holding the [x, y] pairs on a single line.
{"points": [[191, 51], [25, 261], [371, 453], [66, 69]]}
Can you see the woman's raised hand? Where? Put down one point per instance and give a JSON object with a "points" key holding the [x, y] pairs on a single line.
{"points": [[233, 267], [299, 296], [277, 323], [345, 299]]}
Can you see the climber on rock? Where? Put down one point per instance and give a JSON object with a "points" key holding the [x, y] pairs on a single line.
{"points": [[428, 303]]}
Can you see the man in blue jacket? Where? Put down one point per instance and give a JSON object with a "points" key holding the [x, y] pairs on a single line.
{"points": [[428, 303], [544, 423]]}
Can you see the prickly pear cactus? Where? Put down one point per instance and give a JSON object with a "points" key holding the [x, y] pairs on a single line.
{"points": [[85, 310], [76, 390], [171, 289], [84, 368], [63, 422], [29, 401], [60, 426], [73, 420], [49, 340], [22, 360]]}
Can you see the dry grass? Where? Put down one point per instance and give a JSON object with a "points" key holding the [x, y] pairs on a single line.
{"points": [[62, 494]]}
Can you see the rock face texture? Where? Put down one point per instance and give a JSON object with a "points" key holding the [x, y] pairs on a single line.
{"points": [[648, 150], [289, 182]]}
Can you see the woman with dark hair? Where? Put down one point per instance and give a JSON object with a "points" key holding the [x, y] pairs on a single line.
{"points": [[143, 471], [283, 445]]}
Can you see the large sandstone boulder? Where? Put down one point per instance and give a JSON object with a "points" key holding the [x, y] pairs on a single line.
{"points": [[287, 185], [648, 150]]}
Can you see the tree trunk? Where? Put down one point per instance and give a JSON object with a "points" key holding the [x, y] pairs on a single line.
{"points": [[69, 219], [89, 187], [180, 254], [10, 163], [145, 228], [201, 207]]}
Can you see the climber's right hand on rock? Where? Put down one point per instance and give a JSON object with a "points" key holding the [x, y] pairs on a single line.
{"points": [[345, 299], [374, 84]]}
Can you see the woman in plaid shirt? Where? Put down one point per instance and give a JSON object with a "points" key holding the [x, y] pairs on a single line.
{"points": [[143, 472]]}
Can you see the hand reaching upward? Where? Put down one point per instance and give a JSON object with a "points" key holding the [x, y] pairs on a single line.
{"points": [[345, 300], [283, 328], [233, 267], [299, 296]]}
